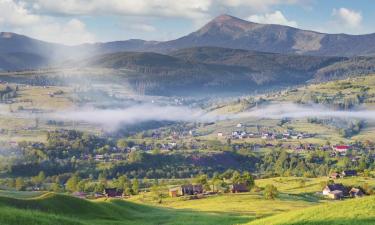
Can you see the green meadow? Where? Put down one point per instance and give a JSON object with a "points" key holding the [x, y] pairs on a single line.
{"points": [[295, 204]]}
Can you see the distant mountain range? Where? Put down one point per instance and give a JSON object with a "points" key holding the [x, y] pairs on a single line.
{"points": [[225, 70], [227, 53]]}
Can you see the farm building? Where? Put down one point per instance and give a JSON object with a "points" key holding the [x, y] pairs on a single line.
{"points": [[341, 148], [335, 175], [237, 188], [191, 189], [113, 193], [349, 173], [174, 192], [337, 194], [355, 192], [331, 191]]}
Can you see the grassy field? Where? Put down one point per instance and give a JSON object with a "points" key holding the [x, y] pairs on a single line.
{"points": [[350, 212], [53, 209], [295, 204]]}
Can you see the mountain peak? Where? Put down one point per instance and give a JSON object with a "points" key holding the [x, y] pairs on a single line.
{"points": [[227, 25], [224, 18]]}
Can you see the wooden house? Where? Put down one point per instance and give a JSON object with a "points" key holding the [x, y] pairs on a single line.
{"points": [[355, 193], [174, 192], [191, 189], [113, 193], [337, 194], [335, 175], [331, 191], [349, 173], [238, 188]]}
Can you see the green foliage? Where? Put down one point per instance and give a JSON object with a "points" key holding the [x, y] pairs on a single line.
{"points": [[19, 184], [270, 192], [72, 183]]}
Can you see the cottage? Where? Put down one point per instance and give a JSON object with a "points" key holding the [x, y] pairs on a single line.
{"points": [[335, 175], [349, 173], [331, 190], [238, 188], [355, 193], [337, 194], [113, 193], [174, 192], [191, 189], [220, 134], [341, 148]]}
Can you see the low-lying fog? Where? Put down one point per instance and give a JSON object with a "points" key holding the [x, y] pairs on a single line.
{"points": [[113, 118], [151, 112]]}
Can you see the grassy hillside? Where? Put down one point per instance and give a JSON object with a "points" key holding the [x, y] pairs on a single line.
{"points": [[51, 208], [356, 211]]}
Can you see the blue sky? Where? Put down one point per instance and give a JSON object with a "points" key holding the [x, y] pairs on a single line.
{"points": [[79, 21]]}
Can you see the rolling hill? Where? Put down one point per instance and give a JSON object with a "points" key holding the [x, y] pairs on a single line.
{"points": [[21, 61], [224, 70], [356, 211], [53, 208]]}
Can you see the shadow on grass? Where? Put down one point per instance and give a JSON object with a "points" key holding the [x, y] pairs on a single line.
{"points": [[111, 212], [168, 216]]}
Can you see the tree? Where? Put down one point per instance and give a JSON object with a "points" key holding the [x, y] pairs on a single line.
{"points": [[38, 180], [157, 193], [72, 183], [81, 185], [20, 184], [135, 156], [99, 188], [55, 187], [248, 179], [270, 192], [122, 143], [236, 177], [135, 186]]}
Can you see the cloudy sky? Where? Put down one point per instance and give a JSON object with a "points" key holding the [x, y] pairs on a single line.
{"points": [[78, 21]]}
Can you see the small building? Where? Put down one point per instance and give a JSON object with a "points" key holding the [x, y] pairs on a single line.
{"points": [[335, 187], [191, 189], [239, 125], [355, 193], [349, 173], [113, 193], [220, 134], [337, 194], [174, 192], [335, 175], [341, 148], [238, 188]]}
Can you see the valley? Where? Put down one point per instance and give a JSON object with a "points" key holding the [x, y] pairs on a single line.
{"points": [[236, 122]]}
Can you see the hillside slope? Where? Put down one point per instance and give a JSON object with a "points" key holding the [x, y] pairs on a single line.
{"points": [[56, 209], [224, 70], [355, 211]]}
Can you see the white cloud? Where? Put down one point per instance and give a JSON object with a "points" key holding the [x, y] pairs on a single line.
{"points": [[169, 8], [347, 17], [72, 32], [141, 27], [13, 14], [16, 17], [276, 17]]}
